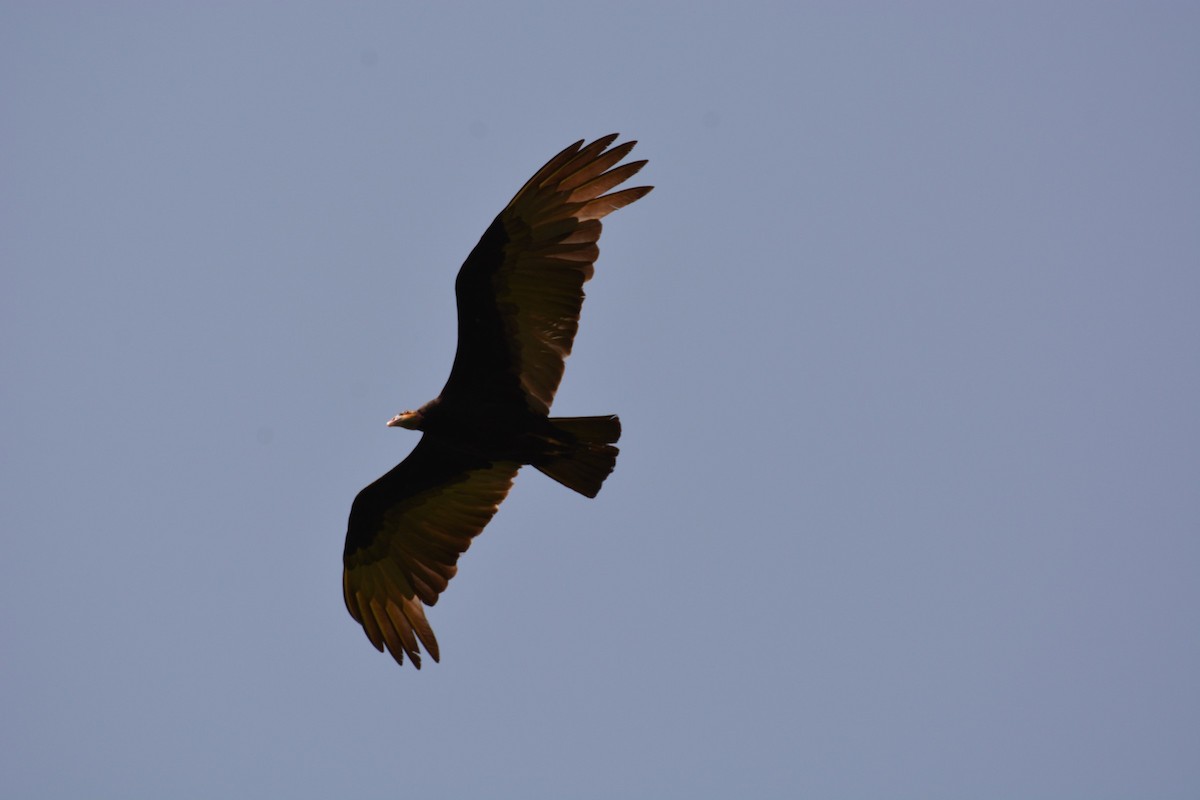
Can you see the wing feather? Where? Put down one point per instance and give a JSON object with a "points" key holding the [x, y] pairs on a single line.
{"points": [[406, 533], [597, 165], [521, 289], [602, 183], [559, 169]]}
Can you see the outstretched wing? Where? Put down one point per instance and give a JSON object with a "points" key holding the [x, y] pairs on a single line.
{"points": [[406, 532], [520, 290]]}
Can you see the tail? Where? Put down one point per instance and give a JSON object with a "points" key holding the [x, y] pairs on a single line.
{"points": [[589, 455]]}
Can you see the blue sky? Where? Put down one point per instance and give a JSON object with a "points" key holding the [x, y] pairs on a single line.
{"points": [[904, 344]]}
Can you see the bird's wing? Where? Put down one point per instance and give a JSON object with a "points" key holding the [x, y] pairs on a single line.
{"points": [[521, 288], [406, 532]]}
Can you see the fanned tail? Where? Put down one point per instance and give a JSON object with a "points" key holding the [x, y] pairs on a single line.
{"points": [[591, 456]]}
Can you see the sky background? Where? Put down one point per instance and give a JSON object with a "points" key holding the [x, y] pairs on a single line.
{"points": [[905, 344]]}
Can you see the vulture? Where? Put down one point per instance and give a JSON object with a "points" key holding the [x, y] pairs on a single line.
{"points": [[519, 294]]}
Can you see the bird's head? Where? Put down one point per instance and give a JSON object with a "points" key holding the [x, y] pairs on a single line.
{"points": [[408, 419]]}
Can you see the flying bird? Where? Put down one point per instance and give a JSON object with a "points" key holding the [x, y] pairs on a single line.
{"points": [[519, 293]]}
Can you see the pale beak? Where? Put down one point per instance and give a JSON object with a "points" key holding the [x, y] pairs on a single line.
{"points": [[406, 420]]}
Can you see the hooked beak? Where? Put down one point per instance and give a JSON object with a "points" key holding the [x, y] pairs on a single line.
{"points": [[406, 420]]}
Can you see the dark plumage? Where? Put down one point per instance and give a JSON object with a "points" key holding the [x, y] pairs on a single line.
{"points": [[519, 294]]}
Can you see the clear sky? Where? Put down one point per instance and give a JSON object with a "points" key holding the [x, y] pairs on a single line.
{"points": [[905, 343]]}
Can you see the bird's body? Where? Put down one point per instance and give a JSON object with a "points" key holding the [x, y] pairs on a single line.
{"points": [[519, 294]]}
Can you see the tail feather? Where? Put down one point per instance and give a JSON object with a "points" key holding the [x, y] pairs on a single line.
{"points": [[591, 455]]}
